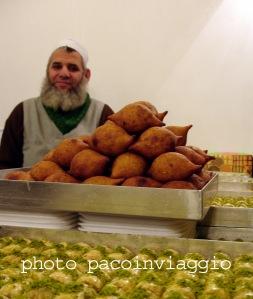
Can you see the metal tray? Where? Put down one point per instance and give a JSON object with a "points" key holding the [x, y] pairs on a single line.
{"points": [[117, 200], [226, 233], [229, 217], [235, 193], [235, 186], [234, 181], [133, 242], [228, 223]]}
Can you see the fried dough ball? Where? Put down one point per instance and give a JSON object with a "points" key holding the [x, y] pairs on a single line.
{"points": [[61, 177], [180, 131], [103, 180], [49, 156], [66, 150], [205, 175], [197, 181], [84, 138], [152, 108], [198, 150], [154, 142], [161, 115], [201, 152], [179, 185], [135, 118], [43, 169], [110, 139], [88, 163], [128, 165], [19, 175], [192, 155], [141, 181], [172, 166]]}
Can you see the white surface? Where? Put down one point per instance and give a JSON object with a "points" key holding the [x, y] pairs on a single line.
{"points": [[191, 57], [57, 220], [37, 225], [137, 225]]}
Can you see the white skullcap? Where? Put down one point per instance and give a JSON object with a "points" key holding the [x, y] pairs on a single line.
{"points": [[68, 42]]}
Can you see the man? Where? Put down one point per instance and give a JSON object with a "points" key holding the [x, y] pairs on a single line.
{"points": [[64, 109]]}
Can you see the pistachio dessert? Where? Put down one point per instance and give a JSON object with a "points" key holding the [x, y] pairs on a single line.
{"points": [[44, 269], [233, 201]]}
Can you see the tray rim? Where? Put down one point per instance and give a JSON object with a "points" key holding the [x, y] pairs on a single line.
{"points": [[134, 242], [152, 202]]}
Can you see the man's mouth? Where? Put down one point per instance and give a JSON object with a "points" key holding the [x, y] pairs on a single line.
{"points": [[62, 84]]}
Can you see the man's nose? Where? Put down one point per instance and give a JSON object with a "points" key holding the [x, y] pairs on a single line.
{"points": [[64, 72]]}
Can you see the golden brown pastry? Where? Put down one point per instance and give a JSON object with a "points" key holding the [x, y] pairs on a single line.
{"points": [[205, 175], [161, 115], [88, 163], [135, 118], [172, 166], [141, 181], [154, 142], [19, 175], [66, 150], [49, 156], [201, 152], [128, 165], [152, 108], [103, 180], [110, 139], [84, 138], [180, 131], [179, 185], [61, 177], [43, 169], [192, 155], [197, 181]]}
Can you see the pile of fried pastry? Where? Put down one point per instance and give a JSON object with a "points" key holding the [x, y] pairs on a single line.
{"points": [[133, 147]]}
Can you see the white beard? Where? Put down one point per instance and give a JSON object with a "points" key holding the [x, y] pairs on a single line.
{"points": [[66, 100]]}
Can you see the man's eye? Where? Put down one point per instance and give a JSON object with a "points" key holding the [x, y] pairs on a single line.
{"points": [[73, 68], [56, 66]]}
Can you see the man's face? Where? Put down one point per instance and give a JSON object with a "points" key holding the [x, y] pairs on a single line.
{"points": [[66, 70]]}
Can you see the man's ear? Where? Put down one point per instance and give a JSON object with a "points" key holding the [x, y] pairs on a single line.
{"points": [[87, 74]]}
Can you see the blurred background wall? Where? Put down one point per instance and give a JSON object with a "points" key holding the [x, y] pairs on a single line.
{"points": [[193, 58]]}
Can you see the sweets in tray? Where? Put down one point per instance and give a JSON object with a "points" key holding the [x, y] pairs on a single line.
{"points": [[62, 270], [229, 217], [239, 201]]}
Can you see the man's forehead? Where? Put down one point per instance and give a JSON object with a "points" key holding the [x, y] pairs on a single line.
{"points": [[61, 55]]}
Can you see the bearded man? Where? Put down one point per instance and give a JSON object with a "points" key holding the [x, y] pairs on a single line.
{"points": [[64, 109]]}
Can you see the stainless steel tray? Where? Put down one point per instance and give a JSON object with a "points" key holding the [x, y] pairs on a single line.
{"points": [[228, 223], [133, 242], [229, 217], [119, 200], [235, 186], [226, 233]]}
